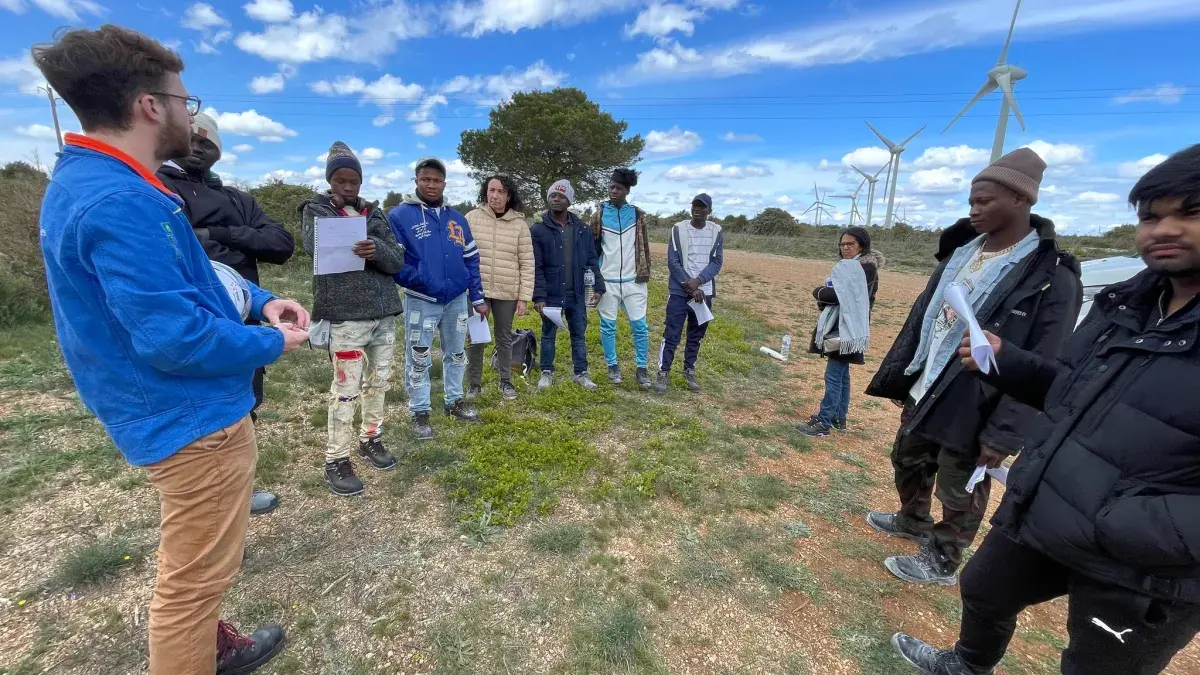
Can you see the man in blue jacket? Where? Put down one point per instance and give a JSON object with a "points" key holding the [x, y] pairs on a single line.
{"points": [[563, 252], [441, 285], [154, 341]]}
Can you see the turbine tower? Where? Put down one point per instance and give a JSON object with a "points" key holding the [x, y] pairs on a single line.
{"points": [[871, 180], [1001, 77], [818, 206], [854, 212], [896, 149]]}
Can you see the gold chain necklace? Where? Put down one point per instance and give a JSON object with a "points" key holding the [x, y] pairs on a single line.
{"points": [[982, 257]]}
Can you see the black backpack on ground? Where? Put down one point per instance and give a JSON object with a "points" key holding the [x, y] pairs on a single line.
{"points": [[524, 351]]}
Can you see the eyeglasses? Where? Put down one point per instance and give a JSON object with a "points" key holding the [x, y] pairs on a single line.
{"points": [[192, 102], [848, 244]]}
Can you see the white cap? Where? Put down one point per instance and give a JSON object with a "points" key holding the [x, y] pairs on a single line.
{"points": [[206, 127]]}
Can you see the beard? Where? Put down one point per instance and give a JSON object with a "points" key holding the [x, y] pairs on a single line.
{"points": [[174, 139]]}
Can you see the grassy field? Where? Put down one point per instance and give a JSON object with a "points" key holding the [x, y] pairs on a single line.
{"points": [[567, 533]]}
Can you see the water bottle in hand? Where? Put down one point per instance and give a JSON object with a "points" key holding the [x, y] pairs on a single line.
{"points": [[589, 287]]}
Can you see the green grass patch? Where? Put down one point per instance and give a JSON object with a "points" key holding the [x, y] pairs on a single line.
{"points": [[763, 492], [562, 539], [97, 562], [705, 572], [781, 575], [617, 637], [844, 494]]}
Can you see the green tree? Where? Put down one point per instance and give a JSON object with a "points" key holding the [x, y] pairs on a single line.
{"points": [[464, 207], [738, 223], [282, 202], [392, 200], [23, 297], [774, 221], [539, 137]]}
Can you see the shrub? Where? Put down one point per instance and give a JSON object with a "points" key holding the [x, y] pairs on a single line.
{"points": [[23, 296], [282, 202]]}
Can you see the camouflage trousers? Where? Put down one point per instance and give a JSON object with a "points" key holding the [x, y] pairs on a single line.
{"points": [[362, 353], [920, 466]]}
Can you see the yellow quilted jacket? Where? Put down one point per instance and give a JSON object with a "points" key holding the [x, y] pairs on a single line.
{"points": [[505, 254]]}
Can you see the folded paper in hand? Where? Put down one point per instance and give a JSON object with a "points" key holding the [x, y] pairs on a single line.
{"points": [[703, 311], [478, 330], [981, 349], [999, 473], [555, 315], [333, 244]]}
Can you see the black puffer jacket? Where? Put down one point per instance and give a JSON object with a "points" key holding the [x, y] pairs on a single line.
{"points": [[1034, 307], [1110, 486], [229, 223]]}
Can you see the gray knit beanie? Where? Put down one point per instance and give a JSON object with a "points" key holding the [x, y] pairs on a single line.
{"points": [[1020, 171]]}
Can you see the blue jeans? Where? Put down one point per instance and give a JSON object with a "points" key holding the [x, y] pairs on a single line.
{"points": [[421, 320], [575, 315], [836, 403]]}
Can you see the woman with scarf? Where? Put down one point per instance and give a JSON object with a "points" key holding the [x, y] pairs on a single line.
{"points": [[844, 327]]}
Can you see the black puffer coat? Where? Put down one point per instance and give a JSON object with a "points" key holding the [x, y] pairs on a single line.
{"points": [[1110, 485], [1034, 307]]}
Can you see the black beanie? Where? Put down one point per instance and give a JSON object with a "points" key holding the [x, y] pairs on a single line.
{"points": [[861, 234]]}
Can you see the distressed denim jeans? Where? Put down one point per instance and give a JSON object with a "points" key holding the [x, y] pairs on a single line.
{"points": [[422, 320], [362, 354]]}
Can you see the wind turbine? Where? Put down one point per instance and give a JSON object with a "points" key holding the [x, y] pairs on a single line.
{"points": [[818, 206], [854, 213], [871, 180], [1002, 77], [896, 149]]}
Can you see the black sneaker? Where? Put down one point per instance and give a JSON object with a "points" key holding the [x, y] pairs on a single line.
{"points": [[614, 374], [473, 392], [930, 660], [507, 391], [374, 452], [459, 410], [420, 426], [838, 425], [886, 523], [661, 383], [926, 567], [262, 503], [239, 655], [340, 478], [690, 377], [643, 378], [815, 429]]}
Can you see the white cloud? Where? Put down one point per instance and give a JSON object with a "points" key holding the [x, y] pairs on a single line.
{"points": [[269, 11], [1092, 197], [785, 201], [250, 123], [40, 132], [1166, 94], [956, 156], [942, 180], [203, 47], [909, 29], [370, 155], [476, 17], [867, 158], [267, 84], [674, 141], [1058, 154], [383, 120], [425, 129], [493, 89], [715, 170], [420, 146], [229, 158], [202, 17], [243, 147], [387, 90], [21, 72], [317, 35], [742, 138], [65, 9], [662, 19], [1141, 166], [424, 111]]}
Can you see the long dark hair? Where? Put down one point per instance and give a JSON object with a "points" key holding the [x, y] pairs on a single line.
{"points": [[514, 197]]}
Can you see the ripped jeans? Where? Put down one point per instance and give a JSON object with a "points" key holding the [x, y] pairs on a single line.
{"points": [[421, 320], [362, 353]]}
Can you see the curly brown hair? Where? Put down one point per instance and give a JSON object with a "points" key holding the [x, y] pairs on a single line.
{"points": [[100, 73], [514, 195]]}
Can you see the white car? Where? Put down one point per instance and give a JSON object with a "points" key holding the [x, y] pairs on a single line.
{"points": [[1098, 274]]}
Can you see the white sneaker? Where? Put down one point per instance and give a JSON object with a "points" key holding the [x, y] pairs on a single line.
{"points": [[584, 381], [546, 381]]}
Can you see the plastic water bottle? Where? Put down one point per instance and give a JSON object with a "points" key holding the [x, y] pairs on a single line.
{"points": [[787, 345], [589, 286]]}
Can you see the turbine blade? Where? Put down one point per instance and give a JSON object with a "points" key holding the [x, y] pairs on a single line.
{"points": [[918, 131], [1011, 26], [881, 169], [860, 171], [883, 138], [1004, 80], [987, 88]]}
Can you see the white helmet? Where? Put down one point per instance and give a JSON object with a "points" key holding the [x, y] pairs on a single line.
{"points": [[235, 286]]}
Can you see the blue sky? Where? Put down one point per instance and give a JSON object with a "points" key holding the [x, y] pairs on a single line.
{"points": [[753, 102]]}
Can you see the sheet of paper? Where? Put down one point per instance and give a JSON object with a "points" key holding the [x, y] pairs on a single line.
{"points": [[555, 315], [478, 330], [334, 240], [999, 474], [981, 349], [703, 311]]}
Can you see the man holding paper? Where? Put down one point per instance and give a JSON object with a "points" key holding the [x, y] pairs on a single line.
{"points": [[563, 250], [695, 252], [361, 306], [1102, 505], [1019, 284]]}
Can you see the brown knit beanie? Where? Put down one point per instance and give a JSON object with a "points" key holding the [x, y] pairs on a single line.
{"points": [[1020, 171]]}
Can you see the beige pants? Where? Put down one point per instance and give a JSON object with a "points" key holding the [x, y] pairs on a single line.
{"points": [[205, 493], [362, 354]]}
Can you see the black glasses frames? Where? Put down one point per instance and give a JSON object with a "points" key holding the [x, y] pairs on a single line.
{"points": [[192, 102]]}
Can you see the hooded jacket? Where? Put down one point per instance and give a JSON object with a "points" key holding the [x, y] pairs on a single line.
{"points": [[228, 222], [629, 246], [505, 253], [1110, 484], [1033, 306], [441, 260], [362, 295]]}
